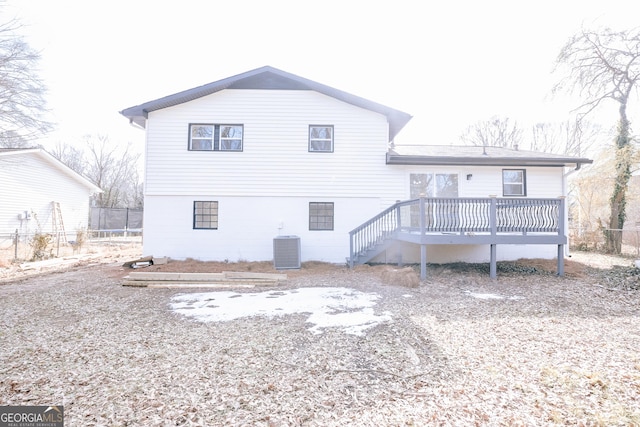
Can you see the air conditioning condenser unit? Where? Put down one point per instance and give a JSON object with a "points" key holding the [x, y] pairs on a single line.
{"points": [[286, 252]]}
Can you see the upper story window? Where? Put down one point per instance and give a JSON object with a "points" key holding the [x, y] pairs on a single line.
{"points": [[514, 182], [321, 138], [211, 137]]}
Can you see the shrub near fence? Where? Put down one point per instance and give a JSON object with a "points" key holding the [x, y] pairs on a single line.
{"points": [[36, 246], [20, 247], [594, 240]]}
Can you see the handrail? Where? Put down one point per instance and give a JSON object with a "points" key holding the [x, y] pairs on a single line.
{"points": [[373, 231], [464, 215]]}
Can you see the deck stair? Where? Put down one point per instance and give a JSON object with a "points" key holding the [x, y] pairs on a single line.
{"points": [[376, 248]]}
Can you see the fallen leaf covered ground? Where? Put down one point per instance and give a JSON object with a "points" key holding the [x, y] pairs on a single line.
{"points": [[528, 348]]}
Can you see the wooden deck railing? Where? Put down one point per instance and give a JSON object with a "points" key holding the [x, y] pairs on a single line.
{"points": [[436, 220]]}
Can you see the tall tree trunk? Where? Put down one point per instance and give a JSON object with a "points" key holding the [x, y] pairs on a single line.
{"points": [[623, 175]]}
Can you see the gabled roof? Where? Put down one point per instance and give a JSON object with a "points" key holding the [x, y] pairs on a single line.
{"points": [[476, 156], [267, 78], [55, 163]]}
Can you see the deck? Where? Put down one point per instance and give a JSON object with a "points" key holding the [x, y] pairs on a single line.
{"points": [[462, 221]]}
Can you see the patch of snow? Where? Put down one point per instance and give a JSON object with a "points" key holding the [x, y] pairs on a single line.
{"points": [[490, 296], [333, 307]]}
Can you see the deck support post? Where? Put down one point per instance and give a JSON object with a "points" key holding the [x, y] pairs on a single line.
{"points": [[560, 260], [493, 263], [423, 262]]}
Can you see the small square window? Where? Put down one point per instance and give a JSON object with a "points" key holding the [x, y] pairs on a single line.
{"points": [[205, 215], [514, 182], [321, 216], [321, 139]]}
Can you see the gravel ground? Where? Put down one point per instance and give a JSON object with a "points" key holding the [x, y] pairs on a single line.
{"points": [[528, 348]]}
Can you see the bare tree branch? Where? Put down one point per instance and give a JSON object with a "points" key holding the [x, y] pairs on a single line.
{"points": [[495, 132], [605, 65], [22, 103]]}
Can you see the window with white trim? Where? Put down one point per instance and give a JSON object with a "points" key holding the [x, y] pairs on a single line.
{"points": [[205, 215], [514, 182], [321, 216], [321, 138], [213, 137]]}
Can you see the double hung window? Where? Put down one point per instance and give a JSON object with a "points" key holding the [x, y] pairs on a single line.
{"points": [[213, 137], [321, 138], [514, 182]]}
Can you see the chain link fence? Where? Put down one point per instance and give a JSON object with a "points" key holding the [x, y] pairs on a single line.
{"points": [[35, 246], [107, 226]]}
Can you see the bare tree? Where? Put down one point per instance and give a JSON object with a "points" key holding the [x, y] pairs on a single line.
{"points": [[572, 138], [495, 132], [605, 65], [22, 104], [71, 156], [110, 167], [111, 170]]}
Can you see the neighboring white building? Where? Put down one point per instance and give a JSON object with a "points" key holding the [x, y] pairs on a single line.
{"points": [[235, 163], [31, 181]]}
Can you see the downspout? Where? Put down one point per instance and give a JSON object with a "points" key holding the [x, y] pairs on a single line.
{"points": [[567, 251]]}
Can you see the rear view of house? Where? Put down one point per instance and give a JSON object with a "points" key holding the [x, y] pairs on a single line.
{"points": [[234, 166]]}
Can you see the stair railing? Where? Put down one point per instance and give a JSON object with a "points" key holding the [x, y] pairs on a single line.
{"points": [[459, 215]]}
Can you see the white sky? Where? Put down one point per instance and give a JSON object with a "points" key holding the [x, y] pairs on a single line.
{"points": [[449, 64]]}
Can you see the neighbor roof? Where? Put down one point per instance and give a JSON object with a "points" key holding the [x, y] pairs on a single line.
{"points": [[57, 164], [476, 156], [266, 78]]}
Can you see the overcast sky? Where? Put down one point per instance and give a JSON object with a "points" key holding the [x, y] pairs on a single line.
{"points": [[449, 64]]}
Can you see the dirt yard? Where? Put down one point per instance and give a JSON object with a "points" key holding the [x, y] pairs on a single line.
{"points": [[528, 348]]}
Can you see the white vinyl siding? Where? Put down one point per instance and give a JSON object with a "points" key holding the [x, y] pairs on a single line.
{"points": [[30, 183], [275, 160]]}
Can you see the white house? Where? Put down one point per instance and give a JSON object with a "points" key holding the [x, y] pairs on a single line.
{"points": [[32, 184], [234, 164]]}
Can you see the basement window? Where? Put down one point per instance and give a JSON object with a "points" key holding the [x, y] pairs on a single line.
{"points": [[321, 216], [205, 215]]}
